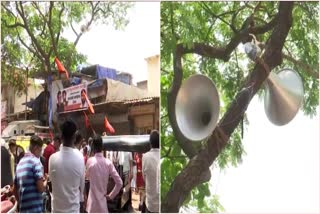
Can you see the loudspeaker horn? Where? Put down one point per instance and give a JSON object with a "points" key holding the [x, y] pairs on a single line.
{"points": [[197, 107], [283, 96]]}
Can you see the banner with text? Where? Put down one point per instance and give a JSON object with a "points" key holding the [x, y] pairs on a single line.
{"points": [[70, 99]]}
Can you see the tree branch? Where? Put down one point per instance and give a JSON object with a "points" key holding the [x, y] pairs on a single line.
{"points": [[33, 39], [46, 23], [54, 45], [7, 9], [75, 32], [60, 17], [233, 19], [34, 52], [17, 24], [224, 53], [311, 71], [94, 12], [205, 7], [168, 151], [192, 175], [35, 5], [176, 157]]}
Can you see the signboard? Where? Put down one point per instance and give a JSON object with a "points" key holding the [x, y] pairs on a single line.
{"points": [[69, 99]]}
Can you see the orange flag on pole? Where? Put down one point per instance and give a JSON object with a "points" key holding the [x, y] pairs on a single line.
{"points": [[108, 126], [60, 67], [86, 120], [90, 106], [51, 135]]}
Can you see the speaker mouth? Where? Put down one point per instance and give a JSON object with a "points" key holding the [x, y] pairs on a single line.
{"points": [[205, 118], [197, 107]]}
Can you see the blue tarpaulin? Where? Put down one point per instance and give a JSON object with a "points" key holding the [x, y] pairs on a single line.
{"points": [[75, 81], [103, 72], [125, 78], [96, 84]]}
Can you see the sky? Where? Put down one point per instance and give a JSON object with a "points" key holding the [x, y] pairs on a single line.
{"points": [[124, 50], [280, 173]]}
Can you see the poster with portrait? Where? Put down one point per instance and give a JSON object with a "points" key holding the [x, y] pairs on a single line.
{"points": [[72, 98]]}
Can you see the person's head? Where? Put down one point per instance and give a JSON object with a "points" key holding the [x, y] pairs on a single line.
{"points": [[12, 145], [68, 130], [46, 141], [90, 141], [83, 97], [59, 97], [83, 143], [154, 139], [78, 141], [85, 150], [56, 141], [36, 145], [97, 143], [64, 95]]}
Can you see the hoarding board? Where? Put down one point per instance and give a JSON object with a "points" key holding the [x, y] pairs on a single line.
{"points": [[68, 99]]}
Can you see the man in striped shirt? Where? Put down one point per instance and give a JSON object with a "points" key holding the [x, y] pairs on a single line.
{"points": [[29, 182]]}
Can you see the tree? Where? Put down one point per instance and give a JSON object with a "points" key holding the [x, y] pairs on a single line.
{"points": [[31, 33], [206, 37]]}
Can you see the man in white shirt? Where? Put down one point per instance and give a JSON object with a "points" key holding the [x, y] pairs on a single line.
{"points": [[150, 172], [67, 173]]}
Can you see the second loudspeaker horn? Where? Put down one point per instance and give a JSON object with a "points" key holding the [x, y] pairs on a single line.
{"points": [[197, 107]]}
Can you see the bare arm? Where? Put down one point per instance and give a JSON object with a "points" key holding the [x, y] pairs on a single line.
{"points": [[41, 184], [15, 192]]}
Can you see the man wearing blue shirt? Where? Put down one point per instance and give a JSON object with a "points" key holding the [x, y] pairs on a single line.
{"points": [[29, 182]]}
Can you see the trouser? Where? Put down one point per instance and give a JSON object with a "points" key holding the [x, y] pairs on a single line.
{"points": [[82, 209]]}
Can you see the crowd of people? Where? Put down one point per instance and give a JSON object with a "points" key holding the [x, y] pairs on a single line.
{"points": [[65, 164]]}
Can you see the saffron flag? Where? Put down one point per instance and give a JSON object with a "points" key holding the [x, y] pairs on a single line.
{"points": [[60, 67], [108, 126], [86, 120], [51, 135], [90, 106]]}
